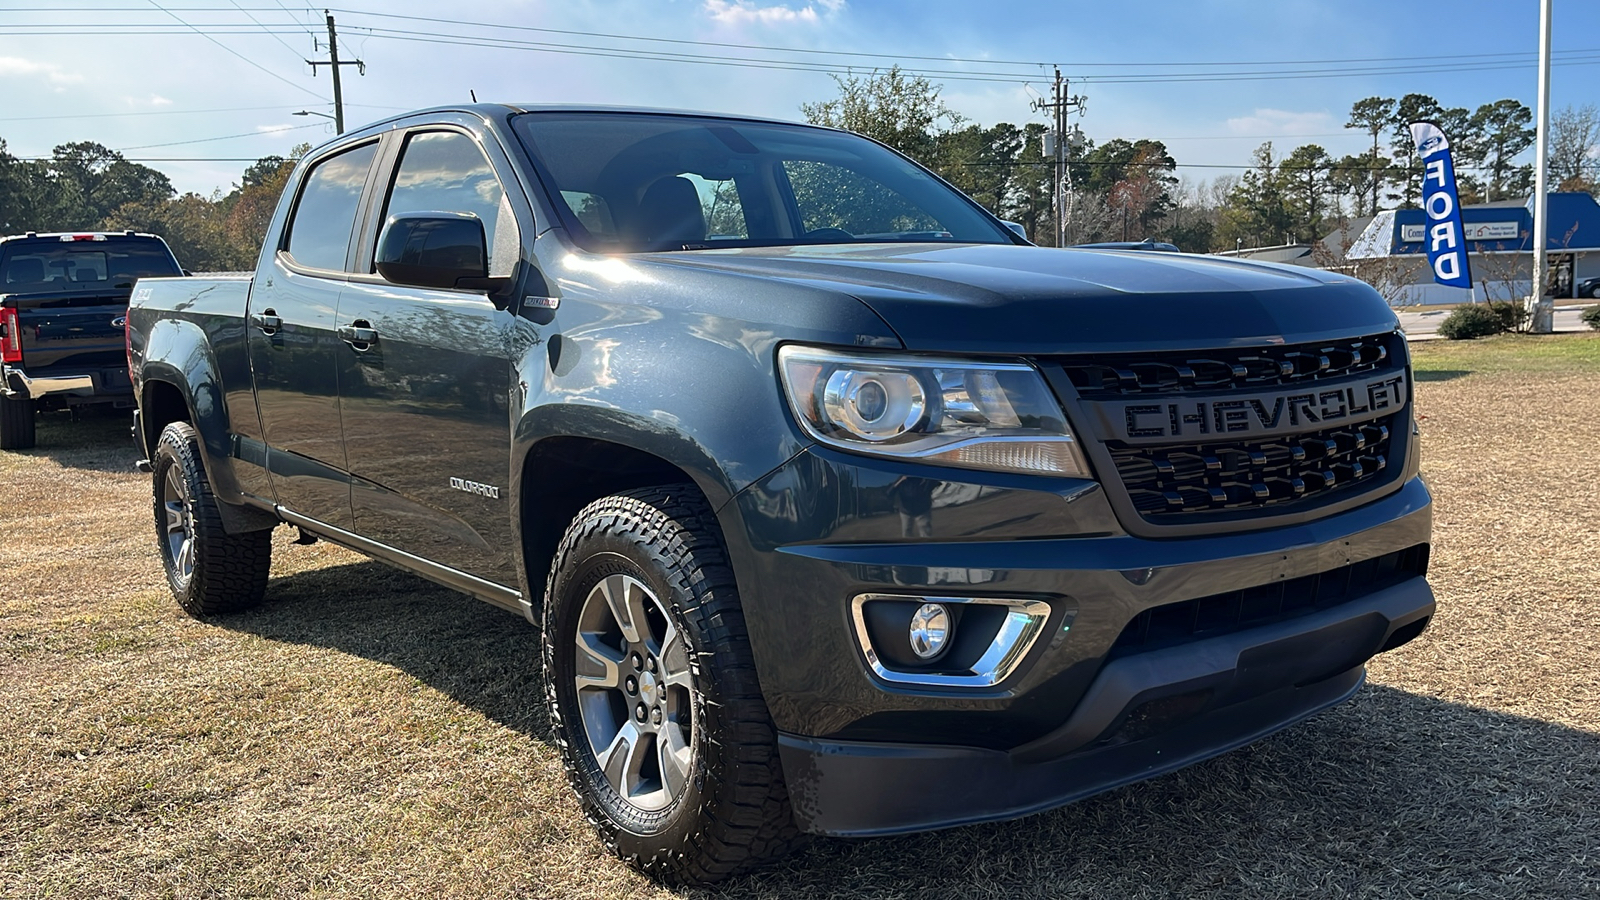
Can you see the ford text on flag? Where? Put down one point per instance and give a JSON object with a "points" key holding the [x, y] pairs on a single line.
{"points": [[1445, 239]]}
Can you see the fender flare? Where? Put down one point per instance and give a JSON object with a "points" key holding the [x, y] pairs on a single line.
{"points": [[179, 354]]}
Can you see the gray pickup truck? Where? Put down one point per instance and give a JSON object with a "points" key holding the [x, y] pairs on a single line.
{"points": [[842, 509], [63, 308]]}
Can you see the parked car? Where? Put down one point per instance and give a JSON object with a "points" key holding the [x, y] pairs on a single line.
{"points": [[63, 307], [841, 509], [1589, 287]]}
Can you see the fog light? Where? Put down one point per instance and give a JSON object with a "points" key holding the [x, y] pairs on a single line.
{"points": [[930, 630]]}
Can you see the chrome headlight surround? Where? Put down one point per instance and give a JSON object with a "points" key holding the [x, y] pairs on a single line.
{"points": [[995, 416]]}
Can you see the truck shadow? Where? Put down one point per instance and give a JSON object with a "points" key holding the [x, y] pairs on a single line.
{"points": [[1440, 374], [94, 440], [1392, 793]]}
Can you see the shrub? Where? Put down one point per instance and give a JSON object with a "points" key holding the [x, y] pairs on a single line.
{"points": [[1592, 316], [1513, 315], [1475, 321]]}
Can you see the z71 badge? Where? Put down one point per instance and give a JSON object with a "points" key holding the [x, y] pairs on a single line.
{"points": [[1284, 412]]}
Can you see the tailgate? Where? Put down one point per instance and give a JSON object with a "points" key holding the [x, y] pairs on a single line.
{"points": [[81, 336]]}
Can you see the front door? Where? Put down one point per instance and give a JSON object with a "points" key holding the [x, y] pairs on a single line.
{"points": [[426, 402], [294, 345]]}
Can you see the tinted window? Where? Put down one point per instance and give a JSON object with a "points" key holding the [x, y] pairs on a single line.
{"points": [[627, 181], [444, 171], [32, 266], [319, 236]]}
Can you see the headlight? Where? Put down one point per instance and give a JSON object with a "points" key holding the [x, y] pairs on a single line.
{"points": [[996, 416]]}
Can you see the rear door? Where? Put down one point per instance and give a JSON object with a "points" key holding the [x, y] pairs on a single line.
{"points": [[294, 346], [426, 404]]}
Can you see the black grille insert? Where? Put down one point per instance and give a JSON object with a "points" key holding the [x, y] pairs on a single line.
{"points": [[1194, 478], [1240, 368], [1204, 617]]}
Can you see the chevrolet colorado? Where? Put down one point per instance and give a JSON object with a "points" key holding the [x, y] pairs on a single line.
{"points": [[841, 509]]}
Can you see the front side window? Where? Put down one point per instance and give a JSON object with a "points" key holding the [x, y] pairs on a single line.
{"points": [[444, 171], [653, 182], [319, 234]]}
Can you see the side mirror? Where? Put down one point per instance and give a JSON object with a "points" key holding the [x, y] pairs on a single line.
{"points": [[436, 250], [1015, 228]]}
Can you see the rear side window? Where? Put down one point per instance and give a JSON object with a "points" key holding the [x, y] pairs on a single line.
{"points": [[319, 235], [444, 171]]}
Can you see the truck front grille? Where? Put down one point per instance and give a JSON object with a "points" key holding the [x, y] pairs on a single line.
{"points": [[1214, 476], [1169, 481], [1244, 369], [1189, 620]]}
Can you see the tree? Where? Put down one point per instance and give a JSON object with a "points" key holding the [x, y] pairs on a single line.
{"points": [[900, 110], [1360, 177], [1303, 177], [1372, 115], [90, 181], [1456, 122], [1574, 138], [1504, 129], [1256, 211]]}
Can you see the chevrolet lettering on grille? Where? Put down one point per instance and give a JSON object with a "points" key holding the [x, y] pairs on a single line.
{"points": [[1262, 415]]}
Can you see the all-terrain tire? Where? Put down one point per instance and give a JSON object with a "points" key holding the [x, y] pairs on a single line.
{"points": [[208, 570], [732, 813], [16, 423]]}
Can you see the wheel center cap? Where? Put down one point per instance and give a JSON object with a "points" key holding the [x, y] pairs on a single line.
{"points": [[649, 688]]}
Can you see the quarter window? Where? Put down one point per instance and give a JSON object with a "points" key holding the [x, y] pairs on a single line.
{"points": [[319, 235], [444, 171]]}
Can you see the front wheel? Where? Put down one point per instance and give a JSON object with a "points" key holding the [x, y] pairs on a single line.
{"points": [[16, 423], [653, 691], [1594, 292], [208, 570]]}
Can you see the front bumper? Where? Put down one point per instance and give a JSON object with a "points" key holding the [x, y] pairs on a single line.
{"points": [[1143, 716], [1073, 717]]}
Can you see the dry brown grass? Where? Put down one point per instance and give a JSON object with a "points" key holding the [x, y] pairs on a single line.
{"points": [[367, 734]]}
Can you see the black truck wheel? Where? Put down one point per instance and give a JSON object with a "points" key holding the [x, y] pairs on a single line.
{"points": [[16, 423], [209, 570], [653, 693]]}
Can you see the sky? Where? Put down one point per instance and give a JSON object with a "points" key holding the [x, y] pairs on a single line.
{"points": [[200, 88]]}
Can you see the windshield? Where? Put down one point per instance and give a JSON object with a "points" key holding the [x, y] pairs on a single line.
{"points": [[49, 265], [640, 181]]}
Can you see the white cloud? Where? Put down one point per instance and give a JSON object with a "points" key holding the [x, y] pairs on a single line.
{"points": [[158, 100], [274, 129], [16, 65], [742, 12], [1284, 122]]}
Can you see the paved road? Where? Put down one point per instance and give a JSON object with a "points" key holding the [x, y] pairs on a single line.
{"points": [[1424, 326]]}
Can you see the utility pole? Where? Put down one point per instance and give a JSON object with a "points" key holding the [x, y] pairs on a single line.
{"points": [[1540, 311], [333, 62], [1056, 144]]}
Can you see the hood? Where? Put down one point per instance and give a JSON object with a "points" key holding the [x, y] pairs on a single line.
{"points": [[1035, 300]]}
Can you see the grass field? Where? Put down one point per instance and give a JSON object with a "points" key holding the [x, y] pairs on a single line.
{"points": [[368, 734]]}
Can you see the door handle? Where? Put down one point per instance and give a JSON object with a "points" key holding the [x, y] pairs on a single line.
{"points": [[359, 334], [267, 320]]}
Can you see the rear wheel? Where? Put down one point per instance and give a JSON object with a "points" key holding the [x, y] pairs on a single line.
{"points": [[653, 691], [1594, 292], [16, 423], [208, 570]]}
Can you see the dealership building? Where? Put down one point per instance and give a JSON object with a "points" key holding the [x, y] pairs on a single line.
{"points": [[1499, 239]]}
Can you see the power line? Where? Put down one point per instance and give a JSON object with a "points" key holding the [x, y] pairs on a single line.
{"points": [[225, 137], [235, 52], [274, 36]]}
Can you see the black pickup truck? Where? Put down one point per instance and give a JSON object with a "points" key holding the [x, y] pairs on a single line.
{"points": [[842, 509], [63, 307]]}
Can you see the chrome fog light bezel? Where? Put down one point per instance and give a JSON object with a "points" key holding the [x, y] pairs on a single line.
{"points": [[1024, 623], [930, 631]]}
